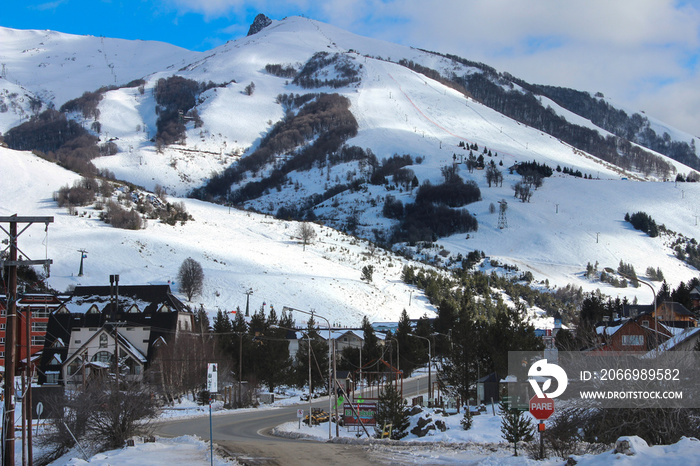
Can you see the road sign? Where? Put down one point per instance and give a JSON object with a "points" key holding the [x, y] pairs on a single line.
{"points": [[212, 378], [367, 412], [300, 413], [541, 408]]}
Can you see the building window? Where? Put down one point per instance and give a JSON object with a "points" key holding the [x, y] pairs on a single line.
{"points": [[103, 356], [632, 340], [37, 340], [38, 326], [40, 313], [645, 323], [2, 326], [2, 340], [75, 366], [52, 378], [103, 340]]}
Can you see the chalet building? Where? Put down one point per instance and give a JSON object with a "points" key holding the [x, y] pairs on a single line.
{"points": [[350, 338], [35, 310], [642, 333], [675, 315], [85, 332], [695, 299], [632, 311]]}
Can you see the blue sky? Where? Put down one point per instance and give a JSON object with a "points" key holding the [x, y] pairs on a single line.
{"points": [[642, 53]]}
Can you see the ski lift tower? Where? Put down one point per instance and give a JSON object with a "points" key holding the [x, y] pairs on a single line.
{"points": [[502, 221]]}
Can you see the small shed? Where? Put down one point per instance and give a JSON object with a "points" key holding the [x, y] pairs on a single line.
{"points": [[487, 389]]}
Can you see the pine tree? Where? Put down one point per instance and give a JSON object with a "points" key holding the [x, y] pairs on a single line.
{"points": [[459, 368], [411, 351], [370, 348], [222, 331], [467, 418], [391, 410], [515, 426], [319, 359]]}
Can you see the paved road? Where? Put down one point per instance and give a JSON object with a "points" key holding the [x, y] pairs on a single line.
{"points": [[247, 437]]}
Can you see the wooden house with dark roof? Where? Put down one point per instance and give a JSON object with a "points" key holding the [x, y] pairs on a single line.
{"points": [[675, 315], [695, 299], [80, 337], [642, 333]]}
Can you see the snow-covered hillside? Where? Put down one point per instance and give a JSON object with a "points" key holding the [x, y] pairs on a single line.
{"points": [[238, 251], [568, 222], [57, 67]]}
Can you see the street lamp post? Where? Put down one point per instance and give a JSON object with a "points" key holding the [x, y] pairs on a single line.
{"points": [[653, 292], [430, 384], [330, 375], [398, 354]]}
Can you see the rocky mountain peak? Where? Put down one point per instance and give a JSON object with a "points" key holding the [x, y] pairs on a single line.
{"points": [[259, 23]]}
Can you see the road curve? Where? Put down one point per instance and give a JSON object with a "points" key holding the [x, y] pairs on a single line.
{"points": [[247, 437]]}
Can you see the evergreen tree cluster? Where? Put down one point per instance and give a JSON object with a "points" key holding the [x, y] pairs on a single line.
{"points": [[265, 348], [477, 330], [635, 128], [680, 295], [572, 172], [643, 222], [655, 274], [533, 168], [524, 106]]}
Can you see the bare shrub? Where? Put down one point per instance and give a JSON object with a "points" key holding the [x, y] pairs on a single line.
{"points": [[100, 417]]}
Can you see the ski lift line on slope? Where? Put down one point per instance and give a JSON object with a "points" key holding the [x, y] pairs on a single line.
{"points": [[445, 129]]}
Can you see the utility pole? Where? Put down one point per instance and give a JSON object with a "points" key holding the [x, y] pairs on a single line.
{"points": [[27, 398], [114, 292], [8, 424]]}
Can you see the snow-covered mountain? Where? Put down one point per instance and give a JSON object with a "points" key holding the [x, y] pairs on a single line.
{"points": [[405, 102]]}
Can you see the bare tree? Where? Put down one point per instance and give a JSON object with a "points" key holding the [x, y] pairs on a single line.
{"points": [[191, 277], [181, 365], [522, 191], [306, 233], [101, 417]]}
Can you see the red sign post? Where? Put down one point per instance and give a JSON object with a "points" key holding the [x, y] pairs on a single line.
{"points": [[541, 409]]}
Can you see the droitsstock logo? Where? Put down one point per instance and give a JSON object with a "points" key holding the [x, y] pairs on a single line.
{"points": [[544, 369]]}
